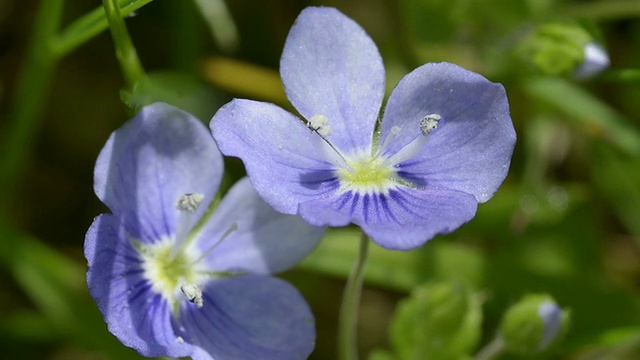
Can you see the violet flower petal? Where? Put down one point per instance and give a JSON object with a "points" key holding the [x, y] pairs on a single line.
{"points": [[403, 220], [265, 242], [331, 67], [282, 156], [152, 160], [136, 315], [248, 317], [471, 148]]}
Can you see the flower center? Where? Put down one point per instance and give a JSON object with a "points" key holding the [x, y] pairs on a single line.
{"points": [[366, 174], [173, 267], [168, 272]]}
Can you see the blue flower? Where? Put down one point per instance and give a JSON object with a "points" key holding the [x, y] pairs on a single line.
{"points": [[443, 145], [171, 277]]}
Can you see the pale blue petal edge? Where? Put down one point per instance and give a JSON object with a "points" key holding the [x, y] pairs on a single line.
{"points": [[137, 316], [264, 242], [471, 149], [249, 317], [283, 158], [330, 66], [402, 220], [152, 160]]}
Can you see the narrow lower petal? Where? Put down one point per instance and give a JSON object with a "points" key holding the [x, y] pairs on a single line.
{"points": [[150, 162], [134, 313], [331, 67], [264, 241], [248, 318], [284, 159], [471, 148], [402, 220]]}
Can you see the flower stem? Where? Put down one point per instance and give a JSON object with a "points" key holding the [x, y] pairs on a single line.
{"points": [[492, 349], [348, 321], [125, 51]]}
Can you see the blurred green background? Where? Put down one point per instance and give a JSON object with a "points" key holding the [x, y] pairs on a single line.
{"points": [[566, 222]]}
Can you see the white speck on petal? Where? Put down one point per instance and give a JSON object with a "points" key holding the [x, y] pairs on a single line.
{"points": [[189, 202], [428, 123], [320, 124], [180, 340], [193, 293]]}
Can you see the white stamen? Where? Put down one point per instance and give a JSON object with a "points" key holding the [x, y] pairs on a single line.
{"points": [[193, 293], [189, 202], [231, 229], [428, 123], [395, 130], [320, 124]]}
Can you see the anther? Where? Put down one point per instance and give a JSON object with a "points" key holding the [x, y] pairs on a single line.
{"points": [[193, 294], [320, 124], [429, 123], [189, 202]]}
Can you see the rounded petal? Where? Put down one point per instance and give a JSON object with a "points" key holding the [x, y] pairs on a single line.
{"points": [[331, 67], [285, 161], [248, 317], [264, 242], [152, 160], [134, 313], [471, 148], [402, 220]]}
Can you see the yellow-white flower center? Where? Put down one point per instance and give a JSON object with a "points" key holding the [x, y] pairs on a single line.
{"points": [[169, 273], [367, 172]]}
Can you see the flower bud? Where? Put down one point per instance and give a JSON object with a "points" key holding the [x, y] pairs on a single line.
{"points": [[562, 49], [439, 321], [533, 324]]}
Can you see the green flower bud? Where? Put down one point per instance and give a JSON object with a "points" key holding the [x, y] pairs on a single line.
{"points": [[438, 321], [556, 48], [533, 324]]}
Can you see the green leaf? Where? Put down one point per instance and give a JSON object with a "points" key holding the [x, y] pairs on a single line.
{"points": [[378, 354], [220, 23], [591, 114], [397, 270], [91, 25], [56, 285], [618, 178], [179, 89]]}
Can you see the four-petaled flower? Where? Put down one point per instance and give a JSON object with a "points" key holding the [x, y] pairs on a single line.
{"points": [[444, 143], [171, 277]]}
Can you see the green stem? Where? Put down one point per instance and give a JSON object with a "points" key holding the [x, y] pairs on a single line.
{"points": [[125, 51], [492, 349], [90, 25], [348, 321], [30, 97]]}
